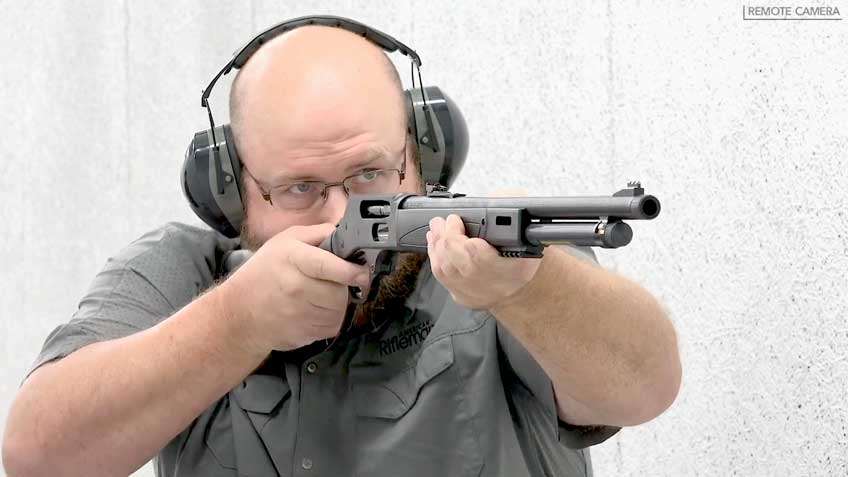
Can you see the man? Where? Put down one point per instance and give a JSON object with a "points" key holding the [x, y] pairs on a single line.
{"points": [[466, 364]]}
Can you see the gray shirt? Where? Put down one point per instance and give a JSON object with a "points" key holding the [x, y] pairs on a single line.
{"points": [[442, 390]]}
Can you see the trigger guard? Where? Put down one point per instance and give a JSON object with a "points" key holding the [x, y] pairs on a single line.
{"points": [[355, 294]]}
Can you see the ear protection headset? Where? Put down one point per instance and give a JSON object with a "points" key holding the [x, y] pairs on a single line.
{"points": [[211, 173]]}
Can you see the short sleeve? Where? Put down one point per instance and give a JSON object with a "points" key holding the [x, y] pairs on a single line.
{"points": [[143, 284], [524, 368]]}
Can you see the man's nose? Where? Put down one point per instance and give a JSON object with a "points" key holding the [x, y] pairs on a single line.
{"points": [[334, 205]]}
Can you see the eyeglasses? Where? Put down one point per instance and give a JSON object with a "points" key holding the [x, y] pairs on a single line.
{"points": [[304, 194]]}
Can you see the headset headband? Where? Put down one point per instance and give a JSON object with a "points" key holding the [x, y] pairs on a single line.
{"points": [[241, 56]]}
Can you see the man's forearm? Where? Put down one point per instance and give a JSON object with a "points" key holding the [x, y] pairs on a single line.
{"points": [[604, 341], [109, 407]]}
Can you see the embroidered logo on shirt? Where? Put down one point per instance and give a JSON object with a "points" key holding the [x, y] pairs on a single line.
{"points": [[409, 336]]}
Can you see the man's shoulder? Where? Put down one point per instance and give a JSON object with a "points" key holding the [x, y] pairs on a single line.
{"points": [[176, 256], [174, 241]]}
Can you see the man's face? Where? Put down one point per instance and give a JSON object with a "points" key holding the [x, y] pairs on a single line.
{"points": [[370, 150], [320, 104], [317, 104]]}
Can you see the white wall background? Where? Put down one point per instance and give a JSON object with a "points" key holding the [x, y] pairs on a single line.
{"points": [[739, 127]]}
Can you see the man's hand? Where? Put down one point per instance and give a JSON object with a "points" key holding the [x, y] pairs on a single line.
{"points": [[473, 272], [291, 293]]}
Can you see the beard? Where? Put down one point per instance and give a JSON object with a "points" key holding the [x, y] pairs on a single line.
{"points": [[249, 240], [392, 293]]}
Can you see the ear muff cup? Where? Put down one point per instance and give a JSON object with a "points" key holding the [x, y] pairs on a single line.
{"points": [[442, 134], [211, 181]]}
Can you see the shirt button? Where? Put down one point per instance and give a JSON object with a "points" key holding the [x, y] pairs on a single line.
{"points": [[311, 368], [306, 464]]}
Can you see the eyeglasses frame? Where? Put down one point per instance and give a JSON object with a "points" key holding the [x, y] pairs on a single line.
{"points": [[266, 194]]}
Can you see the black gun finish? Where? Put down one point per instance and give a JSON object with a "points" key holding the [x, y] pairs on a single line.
{"points": [[375, 226]]}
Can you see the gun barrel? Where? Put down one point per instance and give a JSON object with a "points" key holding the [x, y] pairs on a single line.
{"points": [[643, 207], [590, 234]]}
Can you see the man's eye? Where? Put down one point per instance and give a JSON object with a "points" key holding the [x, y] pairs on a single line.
{"points": [[368, 176], [301, 188]]}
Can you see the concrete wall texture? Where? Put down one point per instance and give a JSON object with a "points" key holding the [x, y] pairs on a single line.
{"points": [[739, 127]]}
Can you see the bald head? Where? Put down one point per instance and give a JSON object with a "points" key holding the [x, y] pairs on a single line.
{"points": [[309, 78]]}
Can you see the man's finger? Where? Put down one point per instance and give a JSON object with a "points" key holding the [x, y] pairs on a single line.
{"points": [[460, 258], [436, 225], [454, 225], [323, 265]]}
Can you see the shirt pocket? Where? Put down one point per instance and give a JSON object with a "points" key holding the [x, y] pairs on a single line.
{"points": [[261, 395], [415, 418], [232, 434]]}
